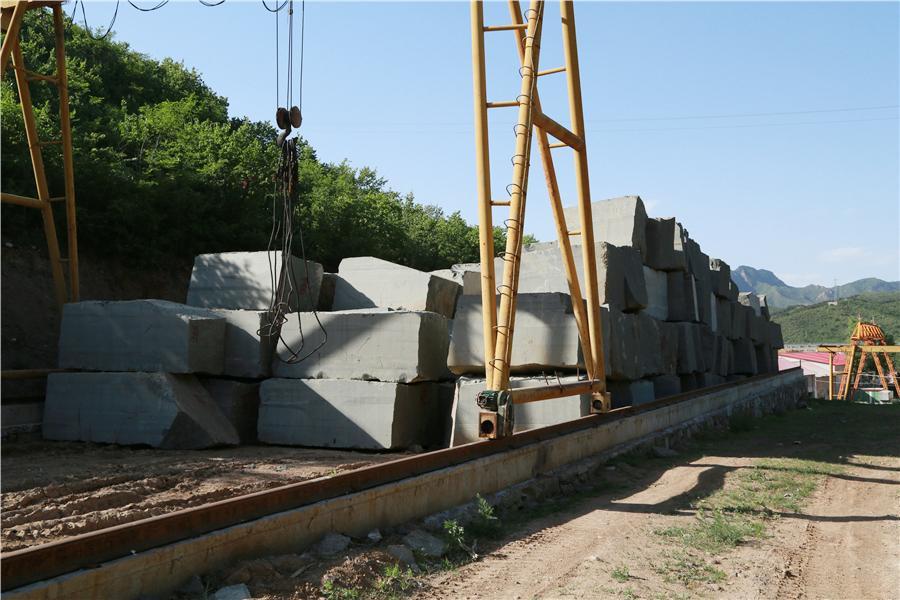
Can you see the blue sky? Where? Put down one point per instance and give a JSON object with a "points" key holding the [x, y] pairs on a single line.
{"points": [[769, 129]]}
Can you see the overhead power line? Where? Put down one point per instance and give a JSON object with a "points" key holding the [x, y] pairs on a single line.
{"points": [[742, 115]]}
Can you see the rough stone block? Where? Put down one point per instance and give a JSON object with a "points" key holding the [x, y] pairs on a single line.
{"points": [[527, 416], [338, 413], [705, 380], [689, 382], [720, 273], [649, 349], [622, 347], [666, 385], [249, 343], [378, 343], [705, 308], [631, 393], [618, 221], [723, 317], [155, 409], [764, 359], [243, 280], [698, 261], [141, 335], [657, 293], [326, 291], [750, 299], [238, 401], [713, 312], [744, 357], [620, 274], [668, 342], [682, 297], [469, 276], [545, 336], [739, 327], [757, 328], [367, 282], [690, 349], [665, 245], [764, 306], [774, 337]]}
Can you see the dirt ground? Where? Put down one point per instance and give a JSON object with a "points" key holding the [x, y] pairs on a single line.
{"points": [[844, 543], [52, 490]]}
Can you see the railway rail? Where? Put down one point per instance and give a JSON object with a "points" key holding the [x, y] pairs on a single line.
{"points": [[91, 550]]}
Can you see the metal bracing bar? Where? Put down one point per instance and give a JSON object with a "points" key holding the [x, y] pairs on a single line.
{"points": [[558, 145], [40, 176], [572, 140], [565, 244], [38, 77], [548, 392], [551, 71], [68, 161], [582, 181], [876, 358], [11, 38], [21, 200], [483, 179], [513, 27], [506, 315], [503, 104], [500, 203], [893, 372], [866, 347]]}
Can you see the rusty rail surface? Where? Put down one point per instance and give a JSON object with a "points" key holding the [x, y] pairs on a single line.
{"points": [[84, 551]]}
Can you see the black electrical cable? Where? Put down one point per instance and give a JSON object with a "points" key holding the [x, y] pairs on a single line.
{"points": [[205, 3], [87, 27], [157, 7], [277, 9]]}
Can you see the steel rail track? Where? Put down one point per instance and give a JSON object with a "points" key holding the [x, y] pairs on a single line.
{"points": [[84, 551]]}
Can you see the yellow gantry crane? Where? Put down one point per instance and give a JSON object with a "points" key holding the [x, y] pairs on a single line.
{"points": [[12, 13], [867, 339], [498, 400]]}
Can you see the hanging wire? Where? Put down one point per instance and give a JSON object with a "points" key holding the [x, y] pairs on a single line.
{"points": [[205, 3], [87, 27], [277, 8], [157, 7], [302, 44]]}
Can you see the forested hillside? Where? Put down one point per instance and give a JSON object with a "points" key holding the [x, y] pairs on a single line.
{"points": [[822, 323], [163, 172], [781, 295]]}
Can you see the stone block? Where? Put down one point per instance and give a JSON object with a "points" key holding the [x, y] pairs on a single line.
{"points": [[690, 350], [657, 293], [367, 282], [682, 297], [720, 278], [381, 344], [649, 345], [763, 306], [545, 336], [698, 261], [631, 393], [622, 347], [751, 300], [757, 328], [704, 306], [764, 359], [665, 245], [666, 385], [774, 337], [249, 343], [527, 416], [739, 327], [723, 317], [744, 357], [141, 335], [469, 276], [668, 342], [238, 401], [713, 312], [339, 413], [689, 382], [155, 409], [705, 380], [244, 280], [618, 221]]}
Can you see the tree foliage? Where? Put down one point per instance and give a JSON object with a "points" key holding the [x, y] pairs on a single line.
{"points": [[163, 173]]}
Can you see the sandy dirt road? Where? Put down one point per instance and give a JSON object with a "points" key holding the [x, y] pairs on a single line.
{"points": [[843, 544]]}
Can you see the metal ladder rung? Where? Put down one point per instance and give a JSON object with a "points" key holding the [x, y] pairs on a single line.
{"points": [[31, 76], [551, 71], [50, 143], [558, 145], [503, 104], [512, 27], [58, 199], [500, 202]]}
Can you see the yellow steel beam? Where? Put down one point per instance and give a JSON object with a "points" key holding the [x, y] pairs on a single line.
{"points": [[866, 348]]}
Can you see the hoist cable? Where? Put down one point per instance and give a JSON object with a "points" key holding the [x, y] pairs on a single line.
{"points": [[157, 7], [87, 27]]}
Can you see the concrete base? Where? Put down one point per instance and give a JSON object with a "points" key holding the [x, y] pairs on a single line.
{"points": [[243, 280], [238, 401], [367, 282], [249, 343], [334, 413], [618, 221], [545, 336], [527, 416], [141, 335], [155, 409], [381, 344], [666, 385]]}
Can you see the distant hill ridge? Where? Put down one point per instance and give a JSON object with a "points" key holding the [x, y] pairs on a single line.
{"points": [[823, 322], [781, 295]]}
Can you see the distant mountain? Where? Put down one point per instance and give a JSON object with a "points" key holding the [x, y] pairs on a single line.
{"points": [[781, 295], [826, 323]]}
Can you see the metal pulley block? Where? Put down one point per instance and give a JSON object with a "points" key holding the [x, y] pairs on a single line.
{"points": [[497, 418]]}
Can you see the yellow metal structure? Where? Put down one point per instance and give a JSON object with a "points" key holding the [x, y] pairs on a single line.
{"points": [[867, 339], [12, 15], [532, 123]]}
